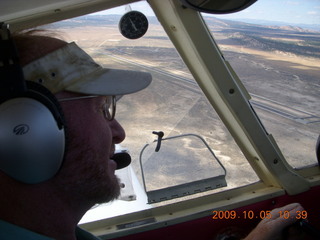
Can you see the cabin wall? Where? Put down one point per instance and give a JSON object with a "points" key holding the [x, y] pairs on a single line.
{"points": [[207, 228]]}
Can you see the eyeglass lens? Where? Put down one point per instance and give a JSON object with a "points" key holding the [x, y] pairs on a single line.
{"points": [[110, 108]]}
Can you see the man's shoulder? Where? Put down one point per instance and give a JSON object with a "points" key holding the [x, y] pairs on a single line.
{"points": [[10, 231], [84, 235]]}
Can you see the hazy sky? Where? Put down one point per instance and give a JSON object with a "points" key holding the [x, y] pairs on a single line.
{"points": [[292, 11]]}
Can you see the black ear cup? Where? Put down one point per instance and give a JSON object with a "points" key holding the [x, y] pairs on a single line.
{"points": [[32, 136], [44, 95]]}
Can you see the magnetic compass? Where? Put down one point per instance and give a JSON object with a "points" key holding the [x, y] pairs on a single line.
{"points": [[133, 25]]}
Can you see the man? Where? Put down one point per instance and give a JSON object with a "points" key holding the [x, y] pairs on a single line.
{"points": [[50, 206]]}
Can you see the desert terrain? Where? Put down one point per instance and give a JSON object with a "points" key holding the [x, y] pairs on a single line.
{"points": [[279, 66]]}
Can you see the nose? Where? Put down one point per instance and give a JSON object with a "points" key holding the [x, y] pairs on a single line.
{"points": [[118, 132]]}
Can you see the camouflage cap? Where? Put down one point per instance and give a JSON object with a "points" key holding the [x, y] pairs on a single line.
{"points": [[71, 69]]}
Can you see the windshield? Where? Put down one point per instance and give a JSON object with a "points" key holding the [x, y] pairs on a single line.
{"points": [[279, 65], [173, 104]]}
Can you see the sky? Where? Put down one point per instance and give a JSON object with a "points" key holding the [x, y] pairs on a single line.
{"points": [[291, 11]]}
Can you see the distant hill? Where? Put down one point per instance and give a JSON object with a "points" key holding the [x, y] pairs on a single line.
{"points": [[315, 27], [291, 40], [88, 20], [114, 18], [283, 38]]}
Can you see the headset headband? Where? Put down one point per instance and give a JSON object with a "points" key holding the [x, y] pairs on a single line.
{"points": [[11, 75]]}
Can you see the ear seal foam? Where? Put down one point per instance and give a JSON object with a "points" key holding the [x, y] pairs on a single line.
{"points": [[43, 95]]}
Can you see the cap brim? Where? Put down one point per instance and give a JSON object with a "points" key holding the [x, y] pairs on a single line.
{"points": [[111, 82]]}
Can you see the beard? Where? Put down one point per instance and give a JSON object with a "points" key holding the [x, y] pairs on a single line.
{"points": [[86, 176]]}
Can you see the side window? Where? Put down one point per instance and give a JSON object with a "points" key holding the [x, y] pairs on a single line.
{"points": [[276, 56]]}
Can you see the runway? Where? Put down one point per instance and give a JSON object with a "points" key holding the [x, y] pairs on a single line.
{"points": [[257, 101]]}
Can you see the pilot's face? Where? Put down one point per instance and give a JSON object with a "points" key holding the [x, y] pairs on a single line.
{"points": [[88, 169], [87, 173]]}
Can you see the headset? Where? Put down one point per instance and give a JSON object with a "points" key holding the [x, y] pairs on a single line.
{"points": [[32, 129]]}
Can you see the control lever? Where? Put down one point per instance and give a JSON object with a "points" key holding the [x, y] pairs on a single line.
{"points": [[309, 229], [160, 135], [305, 227]]}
